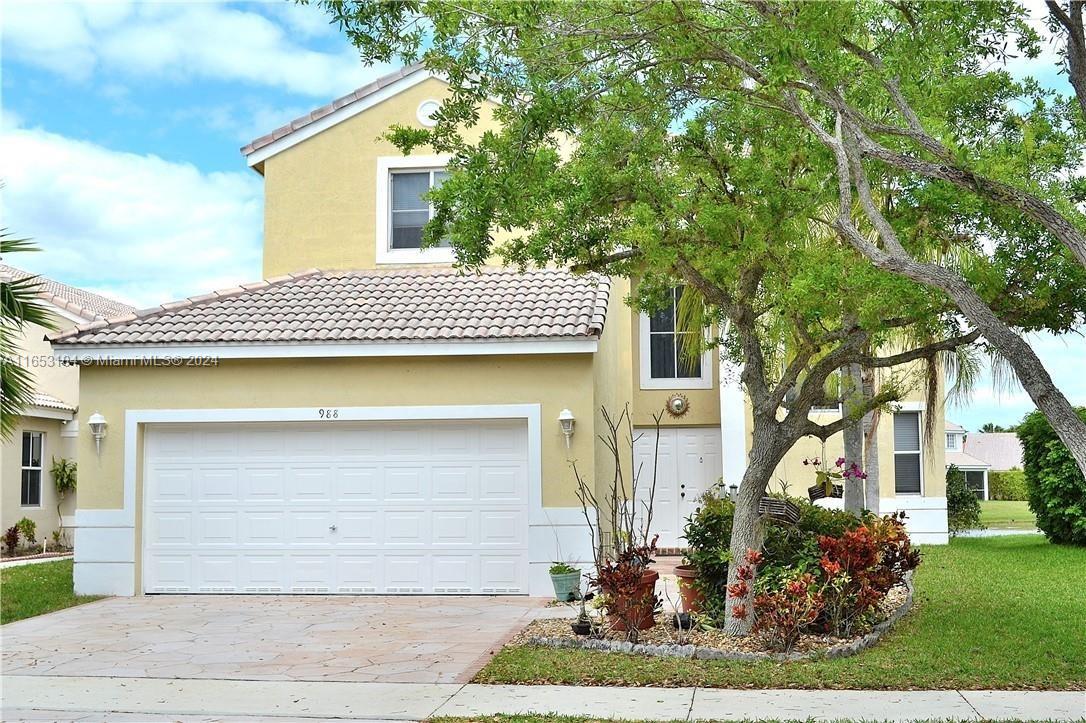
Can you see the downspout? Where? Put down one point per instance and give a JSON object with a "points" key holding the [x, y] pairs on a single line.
{"points": [[733, 420]]}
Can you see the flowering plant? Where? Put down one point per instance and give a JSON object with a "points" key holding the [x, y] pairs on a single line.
{"points": [[826, 478]]}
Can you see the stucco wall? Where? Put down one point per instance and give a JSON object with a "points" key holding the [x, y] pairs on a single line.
{"points": [[54, 445], [555, 381], [320, 195], [50, 377]]}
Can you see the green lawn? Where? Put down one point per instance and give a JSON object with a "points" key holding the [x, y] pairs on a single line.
{"points": [[29, 590], [1006, 515], [1003, 612]]}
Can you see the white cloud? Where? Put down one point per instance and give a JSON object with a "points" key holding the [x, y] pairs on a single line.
{"points": [[134, 227], [180, 41]]}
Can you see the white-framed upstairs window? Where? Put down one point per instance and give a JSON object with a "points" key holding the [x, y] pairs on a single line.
{"points": [[662, 344], [31, 472], [403, 210], [952, 441], [908, 456]]}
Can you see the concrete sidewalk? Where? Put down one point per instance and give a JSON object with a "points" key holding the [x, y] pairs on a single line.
{"points": [[147, 699]]}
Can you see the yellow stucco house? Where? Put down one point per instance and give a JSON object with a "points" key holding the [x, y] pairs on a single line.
{"points": [[48, 429], [366, 420]]}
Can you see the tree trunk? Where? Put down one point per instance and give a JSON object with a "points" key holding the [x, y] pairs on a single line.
{"points": [[748, 530], [1031, 373], [871, 444], [852, 394]]}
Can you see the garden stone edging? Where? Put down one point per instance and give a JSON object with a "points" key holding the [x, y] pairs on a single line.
{"points": [[840, 650]]}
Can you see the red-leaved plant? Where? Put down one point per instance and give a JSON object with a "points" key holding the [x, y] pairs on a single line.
{"points": [[784, 614], [859, 568]]}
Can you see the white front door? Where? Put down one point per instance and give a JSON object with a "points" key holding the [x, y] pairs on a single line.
{"points": [[688, 463], [435, 507]]}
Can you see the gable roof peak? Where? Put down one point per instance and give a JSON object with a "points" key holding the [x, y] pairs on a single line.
{"points": [[334, 112]]}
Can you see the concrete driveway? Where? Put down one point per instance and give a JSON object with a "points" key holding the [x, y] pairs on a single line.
{"points": [[353, 639]]}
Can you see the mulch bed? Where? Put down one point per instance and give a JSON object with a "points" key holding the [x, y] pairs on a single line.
{"points": [[665, 639]]}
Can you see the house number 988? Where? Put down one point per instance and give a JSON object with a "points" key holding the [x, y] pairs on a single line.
{"points": [[328, 413]]}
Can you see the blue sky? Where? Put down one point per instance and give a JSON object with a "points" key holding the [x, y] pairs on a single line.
{"points": [[119, 137]]}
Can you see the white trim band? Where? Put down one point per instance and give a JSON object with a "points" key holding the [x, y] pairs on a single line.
{"points": [[99, 353]]}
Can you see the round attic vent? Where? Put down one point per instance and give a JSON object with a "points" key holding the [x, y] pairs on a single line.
{"points": [[426, 111]]}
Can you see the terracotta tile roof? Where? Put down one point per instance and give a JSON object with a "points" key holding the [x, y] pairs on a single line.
{"points": [[1002, 450], [324, 110], [47, 401], [370, 306], [76, 301]]}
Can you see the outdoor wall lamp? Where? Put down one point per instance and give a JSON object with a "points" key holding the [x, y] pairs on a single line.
{"points": [[566, 420], [97, 424]]}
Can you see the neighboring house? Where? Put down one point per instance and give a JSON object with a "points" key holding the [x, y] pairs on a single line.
{"points": [[386, 424], [976, 470], [1002, 451], [47, 429]]}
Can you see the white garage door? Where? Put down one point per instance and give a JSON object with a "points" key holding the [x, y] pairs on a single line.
{"points": [[340, 507]]}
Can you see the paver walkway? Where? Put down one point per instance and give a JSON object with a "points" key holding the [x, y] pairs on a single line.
{"points": [[148, 699], [319, 638]]}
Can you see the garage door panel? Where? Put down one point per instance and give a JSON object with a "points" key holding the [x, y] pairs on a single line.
{"points": [[172, 484], [171, 528], [310, 573], [453, 483], [309, 527], [454, 527], [310, 483], [218, 573], [358, 528], [500, 528], [263, 483], [407, 573], [455, 574], [215, 444], [218, 528], [267, 528], [358, 484], [502, 483], [357, 574], [501, 573], [406, 482], [170, 573], [217, 483], [406, 528], [351, 508], [262, 573]]}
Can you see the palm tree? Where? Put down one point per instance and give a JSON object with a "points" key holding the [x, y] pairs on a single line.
{"points": [[18, 308]]}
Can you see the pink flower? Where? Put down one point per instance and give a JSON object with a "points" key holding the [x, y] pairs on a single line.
{"points": [[840, 461]]}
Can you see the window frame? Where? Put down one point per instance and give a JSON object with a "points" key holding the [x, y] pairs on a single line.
{"points": [[40, 469], [704, 381], [919, 452], [387, 166], [953, 437]]}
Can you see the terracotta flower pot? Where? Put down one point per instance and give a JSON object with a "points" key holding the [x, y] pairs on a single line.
{"points": [[640, 606], [691, 595]]}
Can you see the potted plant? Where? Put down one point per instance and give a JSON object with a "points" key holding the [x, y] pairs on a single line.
{"points": [[566, 580], [621, 541], [691, 595], [826, 479], [583, 624]]}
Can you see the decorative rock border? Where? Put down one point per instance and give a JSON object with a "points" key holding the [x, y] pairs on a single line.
{"points": [[840, 650]]}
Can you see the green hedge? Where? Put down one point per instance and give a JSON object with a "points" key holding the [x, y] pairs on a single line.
{"points": [[1057, 489], [1008, 485], [962, 505]]}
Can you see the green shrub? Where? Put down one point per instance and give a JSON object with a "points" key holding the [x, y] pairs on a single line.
{"points": [[1057, 489], [1008, 485], [787, 548], [962, 505], [28, 530]]}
